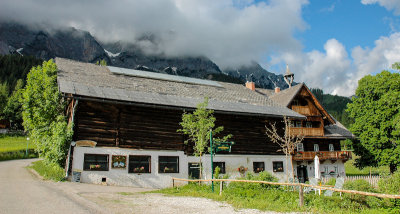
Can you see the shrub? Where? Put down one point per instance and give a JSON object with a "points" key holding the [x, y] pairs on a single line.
{"points": [[331, 182], [362, 185], [391, 185]]}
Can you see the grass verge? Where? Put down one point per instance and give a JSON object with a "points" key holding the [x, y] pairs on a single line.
{"points": [[352, 170], [274, 199], [48, 171], [14, 143]]}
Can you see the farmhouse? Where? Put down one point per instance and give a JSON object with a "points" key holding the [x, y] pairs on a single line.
{"points": [[126, 122]]}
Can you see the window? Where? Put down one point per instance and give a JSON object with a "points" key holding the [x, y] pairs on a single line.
{"points": [[291, 124], [309, 124], [277, 166], [316, 148], [331, 148], [258, 167], [221, 165], [168, 164], [94, 162], [300, 147], [139, 164], [298, 123]]}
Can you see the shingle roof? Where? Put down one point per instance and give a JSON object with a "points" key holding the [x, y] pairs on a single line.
{"points": [[286, 96], [337, 130], [85, 79]]}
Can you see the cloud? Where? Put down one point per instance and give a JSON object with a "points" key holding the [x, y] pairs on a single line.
{"points": [[335, 71], [388, 4], [230, 32]]}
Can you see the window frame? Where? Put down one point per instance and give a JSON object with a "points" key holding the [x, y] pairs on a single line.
{"points": [[254, 166], [331, 147], [300, 147], [85, 164], [143, 156], [275, 168], [163, 171], [316, 147], [223, 169]]}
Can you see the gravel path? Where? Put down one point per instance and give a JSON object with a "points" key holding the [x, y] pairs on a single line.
{"points": [[22, 191]]}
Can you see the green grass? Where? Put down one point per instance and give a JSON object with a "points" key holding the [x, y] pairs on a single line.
{"points": [[353, 170], [274, 199], [14, 143], [48, 171], [14, 147]]}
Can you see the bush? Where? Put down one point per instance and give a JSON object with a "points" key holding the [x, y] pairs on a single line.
{"points": [[331, 182], [391, 185], [362, 185], [50, 171]]}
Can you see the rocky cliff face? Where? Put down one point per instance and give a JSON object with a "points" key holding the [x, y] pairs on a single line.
{"points": [[81, 45]]}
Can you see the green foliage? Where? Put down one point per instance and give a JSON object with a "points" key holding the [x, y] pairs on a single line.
{"points": [[331, 182], [362, 185], [13, 109], [102, 62], [376, 108], [43, 113], [50, 171], [13, 143], [3, 96], [277, 199], [352, 169], [262, 176], [16, 67], [390, 184]]}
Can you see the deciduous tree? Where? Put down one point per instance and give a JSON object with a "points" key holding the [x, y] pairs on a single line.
{"points": [[197, 126], [376, 111], [43, 113]]}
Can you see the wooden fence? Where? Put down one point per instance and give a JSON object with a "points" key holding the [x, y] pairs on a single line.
{"points": [[373, 179], [301, 196]]}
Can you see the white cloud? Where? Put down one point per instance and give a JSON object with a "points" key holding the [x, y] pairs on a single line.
{"points": [[388, 4], [335, 71], [230, 32]]}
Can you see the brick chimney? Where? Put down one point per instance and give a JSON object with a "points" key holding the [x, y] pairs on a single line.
{"points": [[251, 86], [277, 89]]}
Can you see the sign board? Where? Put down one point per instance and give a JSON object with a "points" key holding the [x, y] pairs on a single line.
{"points": [[223, 146]]}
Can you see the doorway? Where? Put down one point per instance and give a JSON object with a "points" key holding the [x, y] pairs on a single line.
{"points": [[302, 173], [194, 170]]}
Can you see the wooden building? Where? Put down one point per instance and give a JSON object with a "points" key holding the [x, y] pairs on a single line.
{"points": [[126, 122]]}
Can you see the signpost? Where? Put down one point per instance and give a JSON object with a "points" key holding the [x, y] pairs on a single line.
{"points": [[218, 147]]}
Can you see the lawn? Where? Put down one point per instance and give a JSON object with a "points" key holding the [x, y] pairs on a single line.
{"points": [[14, 143], [353, 170], [276, 199]]}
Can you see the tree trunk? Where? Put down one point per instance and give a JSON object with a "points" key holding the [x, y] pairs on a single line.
{"points": [[392, 168], [201, 168], [287, 171]]}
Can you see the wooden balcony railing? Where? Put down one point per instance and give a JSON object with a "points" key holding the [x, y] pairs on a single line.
{"points": [[304, 110], [307, 131], [325, 155]]}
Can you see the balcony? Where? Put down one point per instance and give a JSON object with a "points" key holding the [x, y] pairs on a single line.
{"points": [[326, 155], [307, 131], [304, 110]]}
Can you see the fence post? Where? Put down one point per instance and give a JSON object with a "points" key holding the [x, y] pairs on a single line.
{"points": [[221, 186], [173, 183], [301, 198]]}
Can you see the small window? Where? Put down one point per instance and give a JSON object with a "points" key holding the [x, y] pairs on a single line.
{"points": [[168, 164], [139, 164], [298, 124], [258, 167], [94, 162], [300, 147], [291, 123], [331, 148], [295, 102], [221, 165], [277, 166], [309, 124], [316, 148]]}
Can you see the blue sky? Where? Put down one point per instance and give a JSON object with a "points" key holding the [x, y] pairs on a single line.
{"points": [[328, 44], [350, 22]]}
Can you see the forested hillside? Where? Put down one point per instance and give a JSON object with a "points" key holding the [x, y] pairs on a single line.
{"points": [[15, 67], [335, 105]]}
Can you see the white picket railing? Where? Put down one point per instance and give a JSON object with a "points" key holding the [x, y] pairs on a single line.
{"points": [[373, 179]]}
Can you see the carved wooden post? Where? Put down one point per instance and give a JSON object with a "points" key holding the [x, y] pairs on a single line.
{"points": [[301, 196], [221, 186]]}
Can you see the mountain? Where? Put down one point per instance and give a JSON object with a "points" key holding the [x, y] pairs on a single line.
{"points": [[82, 46]]}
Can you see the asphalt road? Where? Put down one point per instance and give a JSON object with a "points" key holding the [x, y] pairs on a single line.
{"points": [[23, 192]]}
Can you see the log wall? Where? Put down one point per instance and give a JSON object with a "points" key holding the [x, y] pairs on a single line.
{"points": [[138, 127]]}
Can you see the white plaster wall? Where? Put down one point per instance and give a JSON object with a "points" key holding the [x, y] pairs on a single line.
{"points": [[326, 166], [121, 177]]}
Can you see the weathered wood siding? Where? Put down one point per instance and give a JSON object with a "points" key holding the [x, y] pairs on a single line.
{"points": [[138, 127]]}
